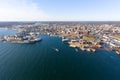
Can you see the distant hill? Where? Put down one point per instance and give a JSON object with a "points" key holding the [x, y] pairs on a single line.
{"points": [[9, 24]]}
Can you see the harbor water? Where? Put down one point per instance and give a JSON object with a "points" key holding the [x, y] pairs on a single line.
{"points": [[40, 61]]}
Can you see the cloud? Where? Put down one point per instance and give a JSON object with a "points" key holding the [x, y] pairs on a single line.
{"points": [[21, 10]]}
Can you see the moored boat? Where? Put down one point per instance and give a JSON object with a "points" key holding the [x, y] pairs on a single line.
{"points": [[65, 39], [38, 39], [93, 50], [118, 52], [88, 49]]}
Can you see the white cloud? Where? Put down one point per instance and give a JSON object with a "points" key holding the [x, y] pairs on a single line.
{"points": [[28, 10], [21, 10]]}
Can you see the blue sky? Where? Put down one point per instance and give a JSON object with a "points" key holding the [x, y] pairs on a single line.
{"points": [[59, 10]]}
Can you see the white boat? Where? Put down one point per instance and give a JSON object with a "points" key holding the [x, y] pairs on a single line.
{"points": [[65, 39], [93, 50], [118, 52], [38, 39], [57, 50], [74, 40], [88, 49]]}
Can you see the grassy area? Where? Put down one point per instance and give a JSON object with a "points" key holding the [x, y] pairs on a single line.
{"points": [[116, 48], [72, 35], [88, 38]]}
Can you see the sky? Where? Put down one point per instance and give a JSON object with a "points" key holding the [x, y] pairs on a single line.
{"points": [[59, 10]]}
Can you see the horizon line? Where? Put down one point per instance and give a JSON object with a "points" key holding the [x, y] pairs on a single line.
{"points": [[66, 21]]}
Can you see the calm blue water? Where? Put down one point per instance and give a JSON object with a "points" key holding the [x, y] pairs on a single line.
{"points": [[39, 61]]}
